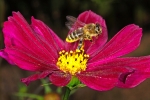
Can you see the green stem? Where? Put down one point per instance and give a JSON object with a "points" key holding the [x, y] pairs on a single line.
{"points": [[67, 93]]}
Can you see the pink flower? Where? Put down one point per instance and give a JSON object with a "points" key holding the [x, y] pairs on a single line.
{"points": [[99, 65]]}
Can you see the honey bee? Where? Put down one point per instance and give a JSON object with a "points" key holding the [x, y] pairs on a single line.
{"points": [[82, 32]]}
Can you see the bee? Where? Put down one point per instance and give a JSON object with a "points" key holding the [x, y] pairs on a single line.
{"points": [[82, 32]]}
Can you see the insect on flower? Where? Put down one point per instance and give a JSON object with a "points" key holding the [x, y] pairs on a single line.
{"points": [[98, 65], [85, 32]]}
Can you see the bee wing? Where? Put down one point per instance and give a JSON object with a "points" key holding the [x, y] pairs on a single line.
{"points": [[72, 21]]}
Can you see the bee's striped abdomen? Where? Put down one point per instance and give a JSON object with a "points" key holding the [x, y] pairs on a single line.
{"points": [[74, 36]]}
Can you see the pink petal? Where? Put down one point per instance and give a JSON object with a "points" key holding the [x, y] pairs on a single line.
{"points": [[141, 67], [29, 62], [136, 63], [137, 70], [4, 55], [90, 17], [24, 47], [60, 79], [71, 46], [133, 79], [100, 80], [49, 36], [124, 42], [35, 77]]}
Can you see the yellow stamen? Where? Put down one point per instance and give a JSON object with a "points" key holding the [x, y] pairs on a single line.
{"points": [[73, 61]]}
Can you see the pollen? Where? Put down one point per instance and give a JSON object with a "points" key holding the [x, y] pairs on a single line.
{"points": [[72, 62]]}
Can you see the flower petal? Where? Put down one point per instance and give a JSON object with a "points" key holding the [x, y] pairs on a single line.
{"points": [[141, 67], [26, 48], [125, 41], [29, 62], [125, 70], [133, 79], [59, 78], [49, 36], [91, 17], [100, 80], [137, 70], [4, 55], [35, 77], [136, 63]]}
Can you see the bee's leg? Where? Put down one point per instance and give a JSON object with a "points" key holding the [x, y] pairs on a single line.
{"points": [[89, 38], [80, 45]]}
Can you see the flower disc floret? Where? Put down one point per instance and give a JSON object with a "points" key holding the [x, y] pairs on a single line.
{"points": [[73, 61]]}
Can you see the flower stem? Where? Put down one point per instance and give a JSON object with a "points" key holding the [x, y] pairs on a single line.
{"points": [[67, 93]]}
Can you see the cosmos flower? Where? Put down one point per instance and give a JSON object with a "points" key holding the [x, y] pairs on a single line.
{"points": [[99, 65]]}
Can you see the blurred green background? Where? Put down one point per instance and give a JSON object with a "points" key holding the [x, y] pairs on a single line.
{"points": [[117, 14]]}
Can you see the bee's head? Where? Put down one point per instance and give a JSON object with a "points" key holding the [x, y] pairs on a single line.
{"points": [[98, 28]]}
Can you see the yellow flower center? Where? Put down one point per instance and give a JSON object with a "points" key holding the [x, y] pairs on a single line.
{"points": [[73, 61]]}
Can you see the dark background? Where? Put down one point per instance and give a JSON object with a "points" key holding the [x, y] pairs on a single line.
{"points": [[117, 14]]}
